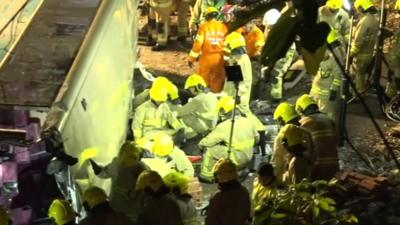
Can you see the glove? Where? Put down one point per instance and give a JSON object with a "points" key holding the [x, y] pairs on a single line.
{"points": [[332, 95], [179, 137], [96, 168]]}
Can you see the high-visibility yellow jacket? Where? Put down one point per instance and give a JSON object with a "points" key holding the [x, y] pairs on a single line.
{"points": [[365, 36]]}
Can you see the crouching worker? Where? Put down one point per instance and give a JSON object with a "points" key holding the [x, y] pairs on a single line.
{"points": [[99, 211], [245, 136], [61, 213], [231, 205], [124, 171], [178, 184], [160, 207]]}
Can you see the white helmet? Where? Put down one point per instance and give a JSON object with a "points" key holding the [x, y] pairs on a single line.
{"points": [[270, 17]]}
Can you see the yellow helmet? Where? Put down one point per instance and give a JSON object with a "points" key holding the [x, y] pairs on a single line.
{"points": [[173, 91], [5, 217], [334, 4], [235, 40], [293, 135], [161, 81], [194, 80], [176, 180], [61, 212], [332, 36], [225, 170], [226, 103], [364, 4], [163, 145], [158, 94], [303, 102], [129, 154], [285, 112], [94, 196], [149, 179], [211, 10], [397, 6]]}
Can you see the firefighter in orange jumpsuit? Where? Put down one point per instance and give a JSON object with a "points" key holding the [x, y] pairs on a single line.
{"points": [[208, 47]]}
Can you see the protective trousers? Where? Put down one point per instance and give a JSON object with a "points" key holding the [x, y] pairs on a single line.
{"points": [[182, 8], [159, 24], [279, 71], [213, 154], [257, 81], [361, 68], [211, 68]]}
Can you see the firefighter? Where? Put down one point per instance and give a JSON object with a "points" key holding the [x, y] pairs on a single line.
{"points": [[182, 8], [337, 18], [282, 65], [235, 48], [327, 82], [296, 142], [124, 171], [159, 14], [61, 213], [255, 41], [365, 37], [5, 218], [198, 113], [284, 114], [178, 184], [155, 115], [216, 143], [175, 159], [160, 207], [199, 12], [393, 86], [324, 154], [231, 205], [208, 47], [99, 211]]}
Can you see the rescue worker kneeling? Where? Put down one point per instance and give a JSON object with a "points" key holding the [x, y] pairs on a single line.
{"points": [[99, 211], [61, 213], [285, 114], [216, 143], [324, 138], [231, 205], [295, 141], [178, 184], [169, 156], [198, 113], [124, 171], [160, 208], [155, 115]]}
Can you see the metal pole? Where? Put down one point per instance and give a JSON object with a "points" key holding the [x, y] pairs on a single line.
{"points": [[233, 118]]}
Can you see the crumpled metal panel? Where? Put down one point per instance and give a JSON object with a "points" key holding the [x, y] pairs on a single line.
{"points": [[92, 108], [38, 65]]}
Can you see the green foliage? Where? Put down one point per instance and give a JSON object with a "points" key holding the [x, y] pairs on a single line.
{"points": [[305, 203]]}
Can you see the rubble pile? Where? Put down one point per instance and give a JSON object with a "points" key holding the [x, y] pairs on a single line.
{"points": [[375, 200]]}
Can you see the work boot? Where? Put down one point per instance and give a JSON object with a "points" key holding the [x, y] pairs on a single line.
{"points": [[158, 47], [150, 41]]}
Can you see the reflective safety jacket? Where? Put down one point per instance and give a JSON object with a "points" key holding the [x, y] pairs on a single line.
{"points": [[339, 21], [200, 7], [255, 41], [261, 194], [209, 39], [324, 156], [123, 195], [179, 162], [199, 113], [364, 40], [150, 119], [328, 78], [105, 215], [245, 135]]}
